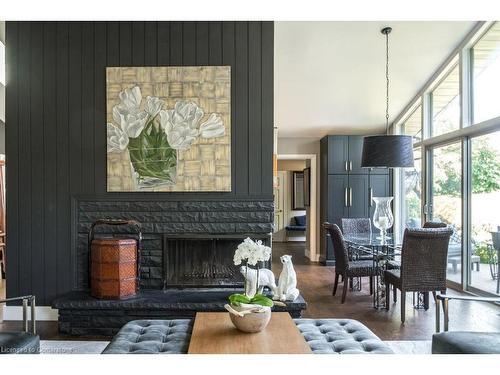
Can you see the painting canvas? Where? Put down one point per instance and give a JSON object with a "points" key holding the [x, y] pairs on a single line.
{"points": [[169, 128]]}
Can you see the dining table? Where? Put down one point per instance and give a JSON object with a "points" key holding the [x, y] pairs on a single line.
{"points": [[383, 250]]}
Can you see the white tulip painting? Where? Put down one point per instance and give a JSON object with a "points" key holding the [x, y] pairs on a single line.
{"points": [[168, 129]]}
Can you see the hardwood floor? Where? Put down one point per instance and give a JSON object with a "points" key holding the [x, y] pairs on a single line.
{"points": [[315, 283]]}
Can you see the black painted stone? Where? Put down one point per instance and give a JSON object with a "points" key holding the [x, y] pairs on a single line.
{"points": [[162, 219], [80, 314]]}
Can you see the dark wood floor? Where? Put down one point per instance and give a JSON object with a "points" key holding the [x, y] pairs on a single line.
{"points": [[316, 282]]}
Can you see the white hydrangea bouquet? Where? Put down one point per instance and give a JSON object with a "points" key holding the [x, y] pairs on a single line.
{"points": [[251, 253]]}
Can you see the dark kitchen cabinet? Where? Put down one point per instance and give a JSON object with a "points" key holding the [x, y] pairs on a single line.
{"points": [[344, 154], [346, 188]]}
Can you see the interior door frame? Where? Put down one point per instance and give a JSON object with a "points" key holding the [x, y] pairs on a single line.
{"points": [[312, 235]]}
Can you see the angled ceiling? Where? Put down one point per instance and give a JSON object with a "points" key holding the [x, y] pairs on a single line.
{"points": [[329, 77]]}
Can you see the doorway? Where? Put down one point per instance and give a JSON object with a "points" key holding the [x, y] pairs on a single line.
{"points": [[295, 203]]}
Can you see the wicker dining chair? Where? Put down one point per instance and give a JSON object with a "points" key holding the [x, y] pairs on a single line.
{"points": [[345, 267], [423, 264], [434, 224], [356, 225]]}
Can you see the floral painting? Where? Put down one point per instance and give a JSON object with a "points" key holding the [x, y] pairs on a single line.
{"points": [[168, 129]]}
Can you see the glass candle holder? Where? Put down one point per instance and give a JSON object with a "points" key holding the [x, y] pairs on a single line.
{"points": [[382, 217]]}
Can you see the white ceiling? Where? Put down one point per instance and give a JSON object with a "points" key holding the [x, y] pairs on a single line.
{"points": [[329, 77]]}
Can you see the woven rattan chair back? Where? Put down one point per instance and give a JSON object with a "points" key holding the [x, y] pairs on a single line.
{"points": [[356, 225], [424, 259], [339, 248], [434, 224]]}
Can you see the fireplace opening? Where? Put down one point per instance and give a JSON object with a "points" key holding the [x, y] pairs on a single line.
{"points": [[201, 262]]}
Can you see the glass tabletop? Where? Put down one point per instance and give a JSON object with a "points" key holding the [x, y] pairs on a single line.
{"points": [[369, 240]]}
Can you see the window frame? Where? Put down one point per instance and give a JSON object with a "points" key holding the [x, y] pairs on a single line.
{"points": [[462, 56]]}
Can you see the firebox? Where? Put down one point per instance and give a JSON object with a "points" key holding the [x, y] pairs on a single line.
{"points": [[202, 261]]}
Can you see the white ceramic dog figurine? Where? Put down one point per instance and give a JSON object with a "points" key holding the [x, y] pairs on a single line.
{"points": [[287, 283], [266, 278]]}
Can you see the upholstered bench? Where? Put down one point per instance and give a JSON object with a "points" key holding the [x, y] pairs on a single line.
{"points": [[324, 336], [152, 336], [340, 336]]}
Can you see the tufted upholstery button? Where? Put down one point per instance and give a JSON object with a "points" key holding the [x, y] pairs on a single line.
{"points": [[152, 336], [340, 336]]}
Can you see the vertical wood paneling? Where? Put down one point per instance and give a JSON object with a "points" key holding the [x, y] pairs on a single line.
{"points": [[254, 108], [176, 37], [56, 111], [100, 35], [189, 43], [267, 99], [75, 107], [87, 131], [49, 159], [240, 120], [125, 36], [163, 43], [36, 164], [12, 150], [63, 164], [202, 46], [138, 48], [228, 58], [215, 43], [24, 145], [150, 43]]}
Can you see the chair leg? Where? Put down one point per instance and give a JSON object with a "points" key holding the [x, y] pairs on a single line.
{"points": [[344, 290], [371, 285], [403, 306], [387, 295], [395, 293], [336, 283]]}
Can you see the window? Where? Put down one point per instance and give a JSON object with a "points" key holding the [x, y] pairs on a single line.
{"points": [[446, 199], [486, 75], [485, 221], [412, 192], [413, 125], [445, 99]]}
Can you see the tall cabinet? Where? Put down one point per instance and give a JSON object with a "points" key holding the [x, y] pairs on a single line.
{"points": [[346, 188]]}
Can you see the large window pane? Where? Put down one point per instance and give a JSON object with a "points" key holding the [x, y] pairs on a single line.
{"points": [[446, 104], [412, 192], [486, 75], [446, 200], [413, 125], [485, 219]]}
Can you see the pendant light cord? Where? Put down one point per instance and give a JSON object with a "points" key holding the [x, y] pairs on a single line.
{"points": [[387, 83]]}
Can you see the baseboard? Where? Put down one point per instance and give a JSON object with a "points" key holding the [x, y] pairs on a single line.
{"points": [[312, 259], [45, 313]]}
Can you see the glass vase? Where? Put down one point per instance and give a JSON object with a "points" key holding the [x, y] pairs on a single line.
{"points": [[382, 217]]}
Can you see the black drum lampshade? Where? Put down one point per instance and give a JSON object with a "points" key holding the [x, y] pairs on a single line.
{"points": [[387, 151]]}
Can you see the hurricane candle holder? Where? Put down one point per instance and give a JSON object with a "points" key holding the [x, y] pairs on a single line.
{"points": [[382, 217]]}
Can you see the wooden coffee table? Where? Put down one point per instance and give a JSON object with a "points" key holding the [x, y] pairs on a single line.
{"points": [[214, 333]]}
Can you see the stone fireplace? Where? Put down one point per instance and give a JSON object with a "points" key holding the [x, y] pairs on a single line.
{"points": [[185, 244]]}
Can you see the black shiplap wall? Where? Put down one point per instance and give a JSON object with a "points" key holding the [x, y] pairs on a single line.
{"points": [[56, 137]]}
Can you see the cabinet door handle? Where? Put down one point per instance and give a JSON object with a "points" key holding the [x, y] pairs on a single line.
{"points": [[346, 204], [345, 166], [350, 165], [350, 197], [370, 197]]}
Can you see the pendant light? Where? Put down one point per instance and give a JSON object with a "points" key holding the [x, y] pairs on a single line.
{"points": [[387, 151]]}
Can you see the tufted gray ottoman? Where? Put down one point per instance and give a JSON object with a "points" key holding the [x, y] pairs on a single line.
{"points": [[152, 336], [340, 336]]}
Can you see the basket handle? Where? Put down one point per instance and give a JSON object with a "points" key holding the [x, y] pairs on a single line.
{"points": [[116, 222]]}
